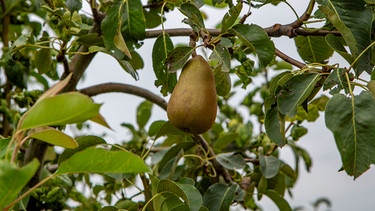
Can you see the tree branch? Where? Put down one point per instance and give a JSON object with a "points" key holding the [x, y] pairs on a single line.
{"points": [[6, 126], [289, 59], [6, 22], [80, 62], [276, 30], [77, 66], [125, 88]]}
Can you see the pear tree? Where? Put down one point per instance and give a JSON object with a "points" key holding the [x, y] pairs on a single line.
{"points": [[206, 154]]}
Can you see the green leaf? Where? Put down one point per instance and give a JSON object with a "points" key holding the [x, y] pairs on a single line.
{"points": [[295, 91], [143, 113], [152, 17], [221, 55], [136, 62], [162, 46], [287, 170], [262, 186], [306, 158], [4, 142], [230, 17], [259, 41], [155, 127], [166, 129], [351, 122], [336, 81], [11, 187], [231, 160], [223, 83], [43, 60], [194, 16], [337, 44], [177, 58], [274, 123], [280, 202], [354, 20], [119, 42], [274, 88], [269, 166], [111, 29], [99, 119], [265, 2], [134, 19], [83, 143], [168, 170], [187, 192], [99, 160], [172, 202], [173, 152], [110, 208], [224, 140], [313, 49], [217, 3], [53, 136], [66, 108], [16, 74], [310, 115], [220, 196], [127, 66], [54, 90], [91, 39]]}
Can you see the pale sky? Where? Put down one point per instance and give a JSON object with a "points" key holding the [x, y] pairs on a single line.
{"points": [[324, 180]]}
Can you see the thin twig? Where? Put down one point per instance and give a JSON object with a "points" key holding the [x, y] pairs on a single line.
{"points": [[311, 32], [289, 59], [125, 88], [218, 167]]}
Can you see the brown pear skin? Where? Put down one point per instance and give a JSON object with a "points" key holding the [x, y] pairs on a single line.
{"points": [[192, 106]]}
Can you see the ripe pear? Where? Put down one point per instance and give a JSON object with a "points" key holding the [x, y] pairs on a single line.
{"points": [[192, 106]]}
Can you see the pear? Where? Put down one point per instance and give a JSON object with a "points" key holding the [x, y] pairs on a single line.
{"points": [[192, 106], [371, 87]]}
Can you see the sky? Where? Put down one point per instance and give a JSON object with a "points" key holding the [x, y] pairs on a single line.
{"points": [[323, 180]]}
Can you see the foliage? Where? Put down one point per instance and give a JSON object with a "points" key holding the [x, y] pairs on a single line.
{"points": [[53, 42]]}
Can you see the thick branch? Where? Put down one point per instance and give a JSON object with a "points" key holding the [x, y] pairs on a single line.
{"points": [[276, 30], [6, 126], [6, 22], [176, 32], [125, 88]]}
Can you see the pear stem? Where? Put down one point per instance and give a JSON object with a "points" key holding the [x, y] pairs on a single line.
{"points": [[192, 43]]}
